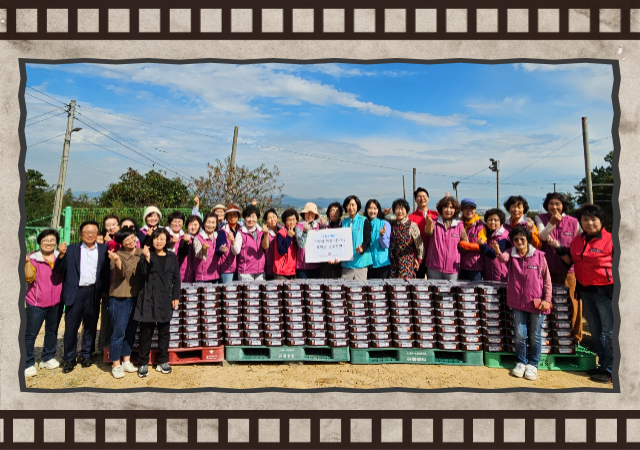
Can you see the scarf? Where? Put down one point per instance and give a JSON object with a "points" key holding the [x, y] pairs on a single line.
{"points": [[469, 223]]}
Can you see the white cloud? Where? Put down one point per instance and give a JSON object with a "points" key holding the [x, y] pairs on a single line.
{"points": [[508, 105], [477, 122]]}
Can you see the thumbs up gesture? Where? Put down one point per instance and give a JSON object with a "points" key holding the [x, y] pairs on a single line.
{"points": [[62, 248], [186, 238], [306, 228], [231, 239], [147, 253], [383, 231], [113, 255], [175, 238], [196, 199], [205, 248], [265, 229]]}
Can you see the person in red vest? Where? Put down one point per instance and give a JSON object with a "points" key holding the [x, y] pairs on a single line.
{"points": [[591, 254], [284, 264], [419, 217]]}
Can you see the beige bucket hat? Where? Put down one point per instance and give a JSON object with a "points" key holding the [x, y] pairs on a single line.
{"points": [[310, 207]]}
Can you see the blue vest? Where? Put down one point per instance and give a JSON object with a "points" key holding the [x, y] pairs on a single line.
{"points": [[357, 229], [379, 255]]}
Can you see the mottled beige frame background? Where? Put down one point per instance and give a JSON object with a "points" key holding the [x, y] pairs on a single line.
{"points": [[626, 52]]}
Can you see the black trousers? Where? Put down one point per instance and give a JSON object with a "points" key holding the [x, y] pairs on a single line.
{"points": [[378, 272], [85, 309], [421, 273], [144, 348]]}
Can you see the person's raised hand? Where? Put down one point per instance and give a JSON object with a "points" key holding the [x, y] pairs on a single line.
{"points": [[306, 228], [107, 238], [291, 232], [555, 218], [62, 248], [205, 248], [495, 247], [323, 221], [113, 255], [359, 249], [254, 202], [186, 238], [552, 242], [383, 230], [265, 228], [386, 211], [175, 238], [223, 248], [146, 252], [531, 225], [100, 239], [196, 199], [481, 241], [231, 238]]}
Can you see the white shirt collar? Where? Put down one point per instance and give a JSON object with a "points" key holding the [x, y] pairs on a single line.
{"points": [[171, 233], [95, 246], [515, 254], [454, 222], [37, 256]]}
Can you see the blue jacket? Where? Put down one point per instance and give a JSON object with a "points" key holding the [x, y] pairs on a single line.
{"points": [[359, 261], [69, 265], [380, 244]]}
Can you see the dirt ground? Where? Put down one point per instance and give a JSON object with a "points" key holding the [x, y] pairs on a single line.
{"points": [[305, 376]]}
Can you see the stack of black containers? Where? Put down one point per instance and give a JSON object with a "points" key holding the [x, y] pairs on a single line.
{"points": [[560, 319], [336, 310], [273, 319], [232, 314], [424, 320], [468, 321], [493, 312]]}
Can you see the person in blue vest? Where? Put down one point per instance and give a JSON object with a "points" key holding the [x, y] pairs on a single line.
{"points": [[86, 270], [356, 269], [380, 239]]}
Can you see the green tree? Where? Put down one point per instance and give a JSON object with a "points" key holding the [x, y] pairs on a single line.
{"points": [[602, 179], [137, 190], [38, 198], [241, 185]]}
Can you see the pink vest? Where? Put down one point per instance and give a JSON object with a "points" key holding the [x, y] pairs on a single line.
{"points": [[251, 258], [443, 254], [205, 270], [493, 269], [227, 261], [185, 269], [472, 260], [269, 255], [300, 263], [564, 233], [525, 280], [46, 291]]}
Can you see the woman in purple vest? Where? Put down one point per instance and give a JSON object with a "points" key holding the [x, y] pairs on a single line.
{"points": [[492, 268], [555, 228], [470, 256], [44, 292], [255, 241], [205, 258], [443, 256], [529, 296], [271, 220]]}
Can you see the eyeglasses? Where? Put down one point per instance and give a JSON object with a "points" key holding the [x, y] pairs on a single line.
{"points": [[53, 242], [89, 233], [519, 240]]}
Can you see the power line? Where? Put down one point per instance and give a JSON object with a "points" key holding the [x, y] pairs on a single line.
{"points": [[37, 143], [112, 151], [46, 118], [124, 139], [486, 168], [43, 114], [42, 100], [541, 158], [129, 148], [47, 95]]}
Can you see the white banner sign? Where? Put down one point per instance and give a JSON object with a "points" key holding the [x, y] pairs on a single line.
{"points": [[329, 244]]}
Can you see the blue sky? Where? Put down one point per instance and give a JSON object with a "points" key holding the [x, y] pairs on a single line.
{"points": [[446, 120]]}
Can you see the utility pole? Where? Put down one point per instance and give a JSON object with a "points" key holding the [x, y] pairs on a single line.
{"points": [[414, 189], [455, 187], [554, 188], [587, 159], [404, 189], [233, 147], [495, 167], [57, 203], [232, 167]]}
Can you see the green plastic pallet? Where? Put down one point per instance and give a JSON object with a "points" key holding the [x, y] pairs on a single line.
{"points": [[415, 356], [581, 361], [286, 353]]}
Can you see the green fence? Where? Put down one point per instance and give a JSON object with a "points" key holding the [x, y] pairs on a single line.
{"points": [[31, 231], [79, 215]]}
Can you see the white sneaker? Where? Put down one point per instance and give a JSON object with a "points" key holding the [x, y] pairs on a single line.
{"points": [[30, 372], [518, 370], [117, 372], [531, 373], [51, 364], [129, 367]]}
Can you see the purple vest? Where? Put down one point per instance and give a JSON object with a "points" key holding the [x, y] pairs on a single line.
{"points": [[565, 233], [525, 282], [300, 263], [493, 269], [46, 291], [205, 270], [185, 269], [471, 260], [228, 261], [251, 257], [443, 254]]}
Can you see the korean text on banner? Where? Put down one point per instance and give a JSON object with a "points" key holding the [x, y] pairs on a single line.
{"points": [[329, 244]]}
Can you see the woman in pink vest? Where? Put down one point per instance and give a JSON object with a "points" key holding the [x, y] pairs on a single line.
{"points": [[311, 221], [180, 247], [592, 256], [255, 242], [205, 258], [271, 220], [44, 292], [470, 257], [186, 249], [529, 296], [443, 256], [556, 227], [492, 268], [229, 244], [286, 251]]}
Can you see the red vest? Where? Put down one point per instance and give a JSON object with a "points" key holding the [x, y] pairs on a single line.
{"points": [[593, 260], [285, 264]]}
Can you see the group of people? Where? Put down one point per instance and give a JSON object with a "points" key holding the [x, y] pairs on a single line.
{"points": [[137, 272]]}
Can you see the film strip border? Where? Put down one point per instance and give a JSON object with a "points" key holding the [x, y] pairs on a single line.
{"points": [[320, 20], [320, 429]]}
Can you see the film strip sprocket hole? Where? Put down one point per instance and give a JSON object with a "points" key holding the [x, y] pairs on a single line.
{"points": [[321, 429], [326, 20]]}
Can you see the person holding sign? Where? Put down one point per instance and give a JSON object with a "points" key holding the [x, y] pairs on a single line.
{"points": [[356, 269], [284, 264], [406, 249], [311, 221], [334, 216], [380, 237]]}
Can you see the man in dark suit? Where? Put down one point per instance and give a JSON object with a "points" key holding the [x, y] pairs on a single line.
{"points": [[86, 272]]}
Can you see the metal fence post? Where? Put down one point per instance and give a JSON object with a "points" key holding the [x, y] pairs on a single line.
{"points": [[66, 233]]}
